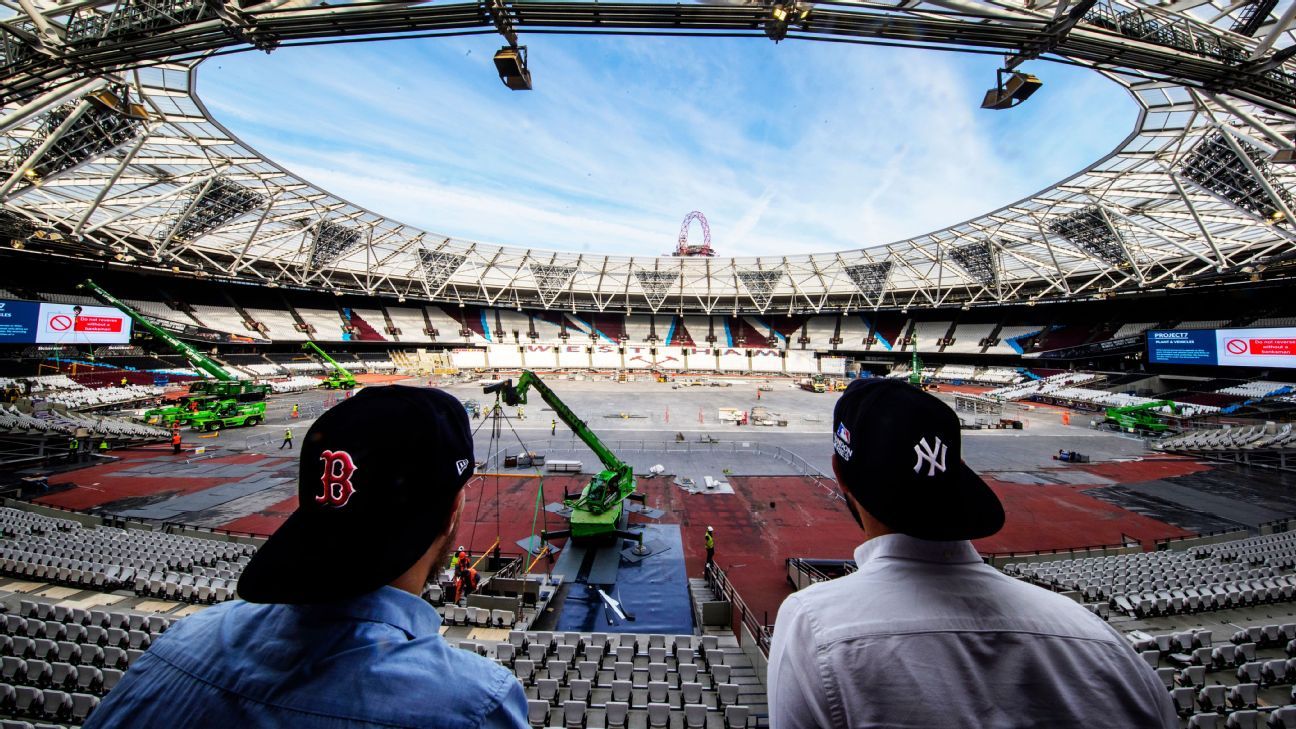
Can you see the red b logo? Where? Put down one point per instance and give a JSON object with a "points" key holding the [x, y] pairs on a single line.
{"points": [[336, 479]]}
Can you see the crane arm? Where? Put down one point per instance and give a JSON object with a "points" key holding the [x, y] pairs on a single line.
{"points": [[342, 371], [517, 395], [1174, 407], [196, 358]]}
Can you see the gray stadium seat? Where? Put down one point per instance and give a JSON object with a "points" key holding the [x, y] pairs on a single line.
{"points": [[695, 716], [616, 713], [736, 717], [1245, 695], [658, 715], [537, 712], [1247, 719], [574, 714]]}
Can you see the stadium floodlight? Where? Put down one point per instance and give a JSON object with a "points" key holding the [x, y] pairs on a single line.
{"points": [[977, 259], [210, 207], [1248, 183], [511, 63], [76, 133], [782, 16], [1012, 91], [332, 241], [1092, 231]]}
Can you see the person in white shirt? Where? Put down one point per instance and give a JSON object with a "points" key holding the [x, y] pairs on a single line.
{"points": [[925, 634]]}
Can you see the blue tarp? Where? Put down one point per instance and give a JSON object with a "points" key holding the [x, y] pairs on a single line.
{"points": [[654, 590]]}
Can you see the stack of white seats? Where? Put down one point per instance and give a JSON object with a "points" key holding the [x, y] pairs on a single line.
{"points": [[42, 383], [263, 370], [303, 367], [1257, 389], [294, 384], [104, 395], [1044, 386], [1236, 438]]}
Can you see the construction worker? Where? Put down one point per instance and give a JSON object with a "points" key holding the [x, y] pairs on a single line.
{"points": [[296, 411], [521, 413], [465, 582], [103, 445], [460, 555], [758, 394], [710, 545], [287, 441], [175, 442], [74, 448], [124, 381], [553, 427]]}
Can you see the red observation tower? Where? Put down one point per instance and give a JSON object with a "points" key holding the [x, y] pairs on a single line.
{"points": [[685, 248]]}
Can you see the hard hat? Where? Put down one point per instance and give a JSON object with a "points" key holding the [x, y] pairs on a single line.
{"points": [[710, 529], [460, 549]]}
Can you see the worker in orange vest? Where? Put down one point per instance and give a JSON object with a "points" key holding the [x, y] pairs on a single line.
{"points": [[175, 442], [465, 580]]}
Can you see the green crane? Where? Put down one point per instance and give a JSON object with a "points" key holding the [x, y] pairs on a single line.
{"points": [[340, 379], [211, 404], [1132, 418], [597, 512], [915, 370]]}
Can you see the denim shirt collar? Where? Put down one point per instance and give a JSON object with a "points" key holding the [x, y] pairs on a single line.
{"points": [[392, 606]]}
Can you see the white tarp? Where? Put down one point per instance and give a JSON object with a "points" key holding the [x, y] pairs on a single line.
{"points": [[835, 366], [540, 356], [801, 362], [766, 360], [733, 360], [573, 355], [468, 359], [504, 355], [606, 357]]}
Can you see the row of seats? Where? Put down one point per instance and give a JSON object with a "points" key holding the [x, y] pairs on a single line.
{"points": [[1227, 439]]}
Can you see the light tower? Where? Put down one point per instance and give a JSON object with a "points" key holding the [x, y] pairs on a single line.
{"points": [[689, 249]]}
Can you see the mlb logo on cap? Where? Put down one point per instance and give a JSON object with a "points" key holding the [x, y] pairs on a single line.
{"points": [[841, 442]]}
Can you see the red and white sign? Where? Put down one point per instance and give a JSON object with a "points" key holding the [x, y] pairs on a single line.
{"points": [[76, 324], [1268, 347]]}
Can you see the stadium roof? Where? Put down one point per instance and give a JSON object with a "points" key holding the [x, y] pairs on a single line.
{"points": [[1193, 195]]}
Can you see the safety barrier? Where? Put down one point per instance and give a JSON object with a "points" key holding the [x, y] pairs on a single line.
{"points": [[744, 623]]}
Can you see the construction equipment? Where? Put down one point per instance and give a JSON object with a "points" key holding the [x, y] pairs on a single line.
{"points": [[1135, 418], [597, 512], [206, 397], [814, 384], [915, 370], [340, 378]]}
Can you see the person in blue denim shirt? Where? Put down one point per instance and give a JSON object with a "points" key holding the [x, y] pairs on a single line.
{"points": [[331, 631]]}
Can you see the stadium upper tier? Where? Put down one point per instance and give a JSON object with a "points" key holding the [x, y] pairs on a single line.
{"points": [[128, 165]]}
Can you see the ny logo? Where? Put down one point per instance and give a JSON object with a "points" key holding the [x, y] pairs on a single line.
{"points": [[933, 455], [336, 479]]}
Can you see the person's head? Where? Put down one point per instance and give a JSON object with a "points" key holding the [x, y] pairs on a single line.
{"points": [[379, 492], [897, 456], [710, 529]]}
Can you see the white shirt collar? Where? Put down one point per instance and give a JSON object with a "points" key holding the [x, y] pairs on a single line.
{"points": [[903, 546]]}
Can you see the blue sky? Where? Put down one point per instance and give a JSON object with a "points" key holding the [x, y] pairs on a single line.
{"points": [[795, 148]]}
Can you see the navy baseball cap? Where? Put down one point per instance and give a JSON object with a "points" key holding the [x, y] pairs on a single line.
{"points": [[898, 451], [379, 478]]}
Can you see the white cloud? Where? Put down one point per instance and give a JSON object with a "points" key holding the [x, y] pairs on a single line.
{"points": [[787, 149]]}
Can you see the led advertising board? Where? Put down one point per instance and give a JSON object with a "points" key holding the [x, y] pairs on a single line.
{"points": [[31, 322], [1262, 347]]}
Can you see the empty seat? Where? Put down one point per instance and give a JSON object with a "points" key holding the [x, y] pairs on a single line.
{"points": [[736, 717], [616, 713], [1244, 695], [695, 716], [574, 714], [1205, 721], [1246, 719], [82, 705], [537, 713], [547, 689], [658, 715], [56, 704]]}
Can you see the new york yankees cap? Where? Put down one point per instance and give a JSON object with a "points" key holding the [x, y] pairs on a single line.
{"points": [[379, 477], [897, 450]]}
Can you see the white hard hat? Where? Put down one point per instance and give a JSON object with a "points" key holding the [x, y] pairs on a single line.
{"points": [[710, 529], [460, 549]]}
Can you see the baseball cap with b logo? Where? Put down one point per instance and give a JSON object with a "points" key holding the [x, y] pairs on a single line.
{"points": [[380, 474], [898, 452]]}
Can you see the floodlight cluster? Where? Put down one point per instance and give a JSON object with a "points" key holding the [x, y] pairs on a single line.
{"points": [[98, 131], [132, 18], [1215, 165], [760, 285], [208, 209], [331, 242], [551, 279], [1091, 230], [656, 285], [978, 260], [870, 278], [438, 267]]}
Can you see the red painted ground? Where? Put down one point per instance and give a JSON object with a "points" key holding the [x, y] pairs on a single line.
{"points": [[766, 520]]}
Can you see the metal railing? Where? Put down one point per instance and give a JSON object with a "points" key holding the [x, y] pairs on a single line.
{"points": [[762, 632]]}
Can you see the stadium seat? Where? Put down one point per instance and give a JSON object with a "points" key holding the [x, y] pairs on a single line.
{"points": [[538, 713], [616, 714], [736, 717], [658, 715]]}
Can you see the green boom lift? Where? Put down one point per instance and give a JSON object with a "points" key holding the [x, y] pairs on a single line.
{"points": [[915, 370], [597, 512], [223, 401], [1132, 418], [340, 379]]}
